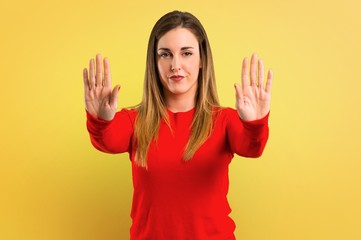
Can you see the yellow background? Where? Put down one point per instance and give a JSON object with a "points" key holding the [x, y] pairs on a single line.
{"points": [[55, 185]]}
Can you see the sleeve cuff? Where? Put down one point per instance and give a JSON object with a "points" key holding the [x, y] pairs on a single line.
{"points": [[261, 121], [95, 120]]}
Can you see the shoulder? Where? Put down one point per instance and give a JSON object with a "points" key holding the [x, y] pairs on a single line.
{"points": [[224, 116], [225, 113]]}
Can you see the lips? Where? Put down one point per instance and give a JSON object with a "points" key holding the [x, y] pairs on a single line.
{"points": [[176, 77]]}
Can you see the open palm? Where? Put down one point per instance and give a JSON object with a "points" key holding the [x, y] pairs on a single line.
{"points": [[100, 100], [253, 99]]}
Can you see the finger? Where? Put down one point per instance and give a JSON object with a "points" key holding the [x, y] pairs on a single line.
{"points": [[253, 73], [99, 70], [92, 74], [245, 81], [107, 76], [239, 93], [269, 81], [260, 74], [85, 79], [114, 97]]}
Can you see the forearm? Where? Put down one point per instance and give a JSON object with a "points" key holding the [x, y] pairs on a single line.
{"points": [[248, 138], [110, 136], [257, 133]]}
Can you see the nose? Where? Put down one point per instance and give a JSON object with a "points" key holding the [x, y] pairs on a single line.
{"points": [[175, 65]]}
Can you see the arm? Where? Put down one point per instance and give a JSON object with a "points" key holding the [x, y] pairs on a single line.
{"points": [[109, 131], [113, 136], [253, 101], [247, 138]]}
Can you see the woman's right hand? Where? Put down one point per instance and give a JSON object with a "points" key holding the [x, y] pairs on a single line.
{"points": [[100, 100]]}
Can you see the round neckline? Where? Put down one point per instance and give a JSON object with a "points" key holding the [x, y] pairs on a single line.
{"points": [[182, 112]]}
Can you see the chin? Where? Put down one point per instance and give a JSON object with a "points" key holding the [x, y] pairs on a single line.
{"points": [[179, 91]]}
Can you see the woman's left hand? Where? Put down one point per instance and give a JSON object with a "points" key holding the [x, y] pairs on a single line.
{"points": [[253, 98]]}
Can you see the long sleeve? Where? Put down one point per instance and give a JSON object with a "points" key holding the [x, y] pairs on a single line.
{"points": [[177, 199], [247, 138], [113, 136]]}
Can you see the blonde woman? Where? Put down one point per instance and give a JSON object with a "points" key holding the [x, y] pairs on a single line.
{"points": [[179, 139]]}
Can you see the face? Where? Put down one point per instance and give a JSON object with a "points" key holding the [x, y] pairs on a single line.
{"points": [[178, 61]]}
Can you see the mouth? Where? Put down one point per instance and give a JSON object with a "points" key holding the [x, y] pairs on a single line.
{"points": [[176, 77]]}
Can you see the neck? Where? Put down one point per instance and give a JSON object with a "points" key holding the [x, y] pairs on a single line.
{"points": [[179, 103]]}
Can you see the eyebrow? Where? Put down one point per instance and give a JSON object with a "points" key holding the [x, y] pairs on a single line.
{"points": [[183, 48]]}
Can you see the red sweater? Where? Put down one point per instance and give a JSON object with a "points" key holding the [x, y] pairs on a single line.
{"points": [[174, 199]]}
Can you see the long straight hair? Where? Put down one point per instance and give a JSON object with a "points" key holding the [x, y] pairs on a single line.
{"points": [[152, 109]]}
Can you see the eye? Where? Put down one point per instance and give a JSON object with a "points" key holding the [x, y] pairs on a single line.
{"points": [[164, 54], [187, 54]]}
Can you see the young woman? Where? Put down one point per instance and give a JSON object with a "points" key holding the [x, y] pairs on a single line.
{"points": [[179, 139]]}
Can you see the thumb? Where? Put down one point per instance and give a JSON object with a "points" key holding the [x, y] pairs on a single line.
{"points": [[114, 97], [239, 94]]}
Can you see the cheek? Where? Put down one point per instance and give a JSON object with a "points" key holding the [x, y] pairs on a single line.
{"points": [[195, 67], [162, 68], [195, 64], [163, 73]]}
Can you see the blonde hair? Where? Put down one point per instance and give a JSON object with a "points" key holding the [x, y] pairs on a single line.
{"points": [[152, 108]]}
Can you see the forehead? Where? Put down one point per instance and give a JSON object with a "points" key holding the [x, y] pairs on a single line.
{"points": [[178, 38]]}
